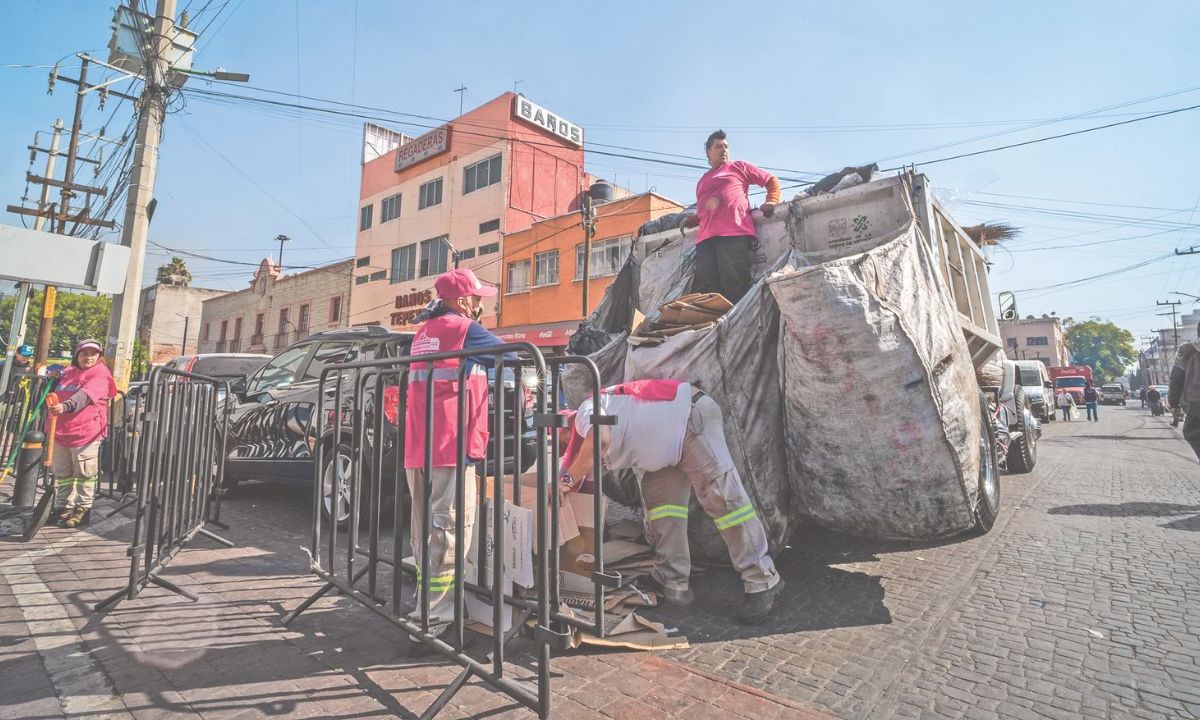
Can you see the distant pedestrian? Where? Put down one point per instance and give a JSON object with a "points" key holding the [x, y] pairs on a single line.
{"points": [[1066, 404], [22, 367], [1184, 392], [1142, 395], [82, 396], [1091, 400], [1154, 399]]}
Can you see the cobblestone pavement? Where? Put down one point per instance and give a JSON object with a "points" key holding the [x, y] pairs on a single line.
{"points": [[1083, 601]]}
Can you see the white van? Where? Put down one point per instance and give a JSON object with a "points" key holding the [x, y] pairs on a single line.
{"points": [[1035, 381], [1112, 394]]}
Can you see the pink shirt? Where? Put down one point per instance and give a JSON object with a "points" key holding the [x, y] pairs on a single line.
{"points": [[722, 202], [90, 423]]}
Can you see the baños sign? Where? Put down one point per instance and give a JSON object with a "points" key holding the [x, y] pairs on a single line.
{"points": [[534, 114]]}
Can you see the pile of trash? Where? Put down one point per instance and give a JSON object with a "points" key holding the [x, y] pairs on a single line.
{"points": [[842, 374]]}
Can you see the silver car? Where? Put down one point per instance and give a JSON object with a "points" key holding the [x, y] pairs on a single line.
{"points": [[1039, 390]]}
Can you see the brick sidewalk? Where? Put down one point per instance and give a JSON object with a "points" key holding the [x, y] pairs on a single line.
{"points": [[227, 655]]}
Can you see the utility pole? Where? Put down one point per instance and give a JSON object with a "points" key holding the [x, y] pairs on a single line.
{"points": [[589, 230], [136, 227], [282, 239], [1174, 304], [183, 348], [16, 331]]}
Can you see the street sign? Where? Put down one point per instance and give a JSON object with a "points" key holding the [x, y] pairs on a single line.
{"points": [[44, 258]]}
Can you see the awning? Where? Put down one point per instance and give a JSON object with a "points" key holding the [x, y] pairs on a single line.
{"points": [[543, 335]]}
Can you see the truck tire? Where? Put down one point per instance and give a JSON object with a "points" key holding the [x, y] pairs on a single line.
{"points": [[987, 505], [1022, 452]]}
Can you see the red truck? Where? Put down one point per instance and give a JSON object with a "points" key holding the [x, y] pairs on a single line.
{"points": [[1071, 378]]}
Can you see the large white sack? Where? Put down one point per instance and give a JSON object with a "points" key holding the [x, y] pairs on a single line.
{"points": [[880, 403]]}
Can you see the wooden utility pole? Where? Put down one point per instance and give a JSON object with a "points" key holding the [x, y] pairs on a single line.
{"points": [[1174, 325], [136, 228]]}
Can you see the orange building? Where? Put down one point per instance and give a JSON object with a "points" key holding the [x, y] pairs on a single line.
{"points": [[542, 283], [451, 193]]}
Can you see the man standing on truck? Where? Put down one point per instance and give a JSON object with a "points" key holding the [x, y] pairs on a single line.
{"points": [[726, 241], [674, 434], [452, 325], [1184, 392]]}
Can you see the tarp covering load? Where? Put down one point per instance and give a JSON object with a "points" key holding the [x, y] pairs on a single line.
{"points": [[848, 392], [880, 401]]}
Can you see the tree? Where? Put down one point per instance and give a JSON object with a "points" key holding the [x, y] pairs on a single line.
{"points": [[76, 317], [174, 273], [1104, 346]]}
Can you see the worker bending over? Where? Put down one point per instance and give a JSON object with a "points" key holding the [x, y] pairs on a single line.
{"points": [[674, 434]]}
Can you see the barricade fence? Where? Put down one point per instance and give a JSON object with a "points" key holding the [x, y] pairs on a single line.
{"points": [[359, 445], [21, 411], [179, 441]]}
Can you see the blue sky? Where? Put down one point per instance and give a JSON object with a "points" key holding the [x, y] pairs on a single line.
{"points": [[805, 86]]}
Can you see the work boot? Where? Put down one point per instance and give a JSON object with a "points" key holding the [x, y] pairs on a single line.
{"points": [[758, 605], [80, 517], [677, 597], [58, 515]]}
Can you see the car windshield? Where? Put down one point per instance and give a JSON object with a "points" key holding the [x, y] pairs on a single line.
{"points": [[227, 367], [1070, 382]]}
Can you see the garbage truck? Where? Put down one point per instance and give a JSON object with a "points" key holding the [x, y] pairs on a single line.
{"points": [[861, 377]]}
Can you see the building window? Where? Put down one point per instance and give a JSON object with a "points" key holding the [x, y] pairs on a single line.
{"points": [[204, 333], [335, 309], [237, 328], [404, 263], [466, 254], [1037, 341], [259, 322], [1012, 342], [362, 279], [224, 330], [481, 174], [518, 276], [545, 268], [389, 209], [302, 327], [489, 226], [607, 256], [430, 195], [378, 275], [363, 261], [364, 217], [433, 256], [489, 249], [283, 320]]}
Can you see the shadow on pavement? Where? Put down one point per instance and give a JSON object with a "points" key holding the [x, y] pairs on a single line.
{"points": [[1137, 509]]}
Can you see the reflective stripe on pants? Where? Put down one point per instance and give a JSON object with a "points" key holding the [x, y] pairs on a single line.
{"points": [[707, 468]]}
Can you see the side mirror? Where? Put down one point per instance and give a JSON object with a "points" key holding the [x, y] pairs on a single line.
{"points": [[238, 385]]}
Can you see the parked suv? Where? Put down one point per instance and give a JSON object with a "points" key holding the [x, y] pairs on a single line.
{"points": [[272, 427], [1112, 394], [1039, 391]]}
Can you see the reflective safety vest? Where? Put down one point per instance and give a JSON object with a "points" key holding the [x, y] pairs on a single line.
{"points": [[443, 334]]}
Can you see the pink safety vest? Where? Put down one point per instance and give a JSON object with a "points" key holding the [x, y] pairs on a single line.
{"points": [[443, 334]]}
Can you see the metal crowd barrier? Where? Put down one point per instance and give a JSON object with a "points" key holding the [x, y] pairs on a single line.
{"points": [[180, 447], [351, 419], [118, 452], [23, 409]]}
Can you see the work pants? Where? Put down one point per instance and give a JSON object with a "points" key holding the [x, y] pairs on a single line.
{"points": [[706, 467], [441, 580], [723, 265], [76, 471], [1066, 411], [1093, 412], [1191, 427]]}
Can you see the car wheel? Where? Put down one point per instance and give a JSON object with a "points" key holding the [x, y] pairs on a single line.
{"points": [[1022, 452], [987, 503], [335, 504]]}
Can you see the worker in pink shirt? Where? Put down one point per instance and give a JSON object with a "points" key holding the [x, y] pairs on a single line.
{"points": [[726, 240]]}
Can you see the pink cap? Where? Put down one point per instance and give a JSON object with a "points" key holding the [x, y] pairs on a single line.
{"points": [[461, 283]]}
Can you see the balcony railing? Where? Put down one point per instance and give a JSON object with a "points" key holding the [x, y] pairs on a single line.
{"points": [[235, 345], [256, 340], [221, 345], [282, 340]]}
